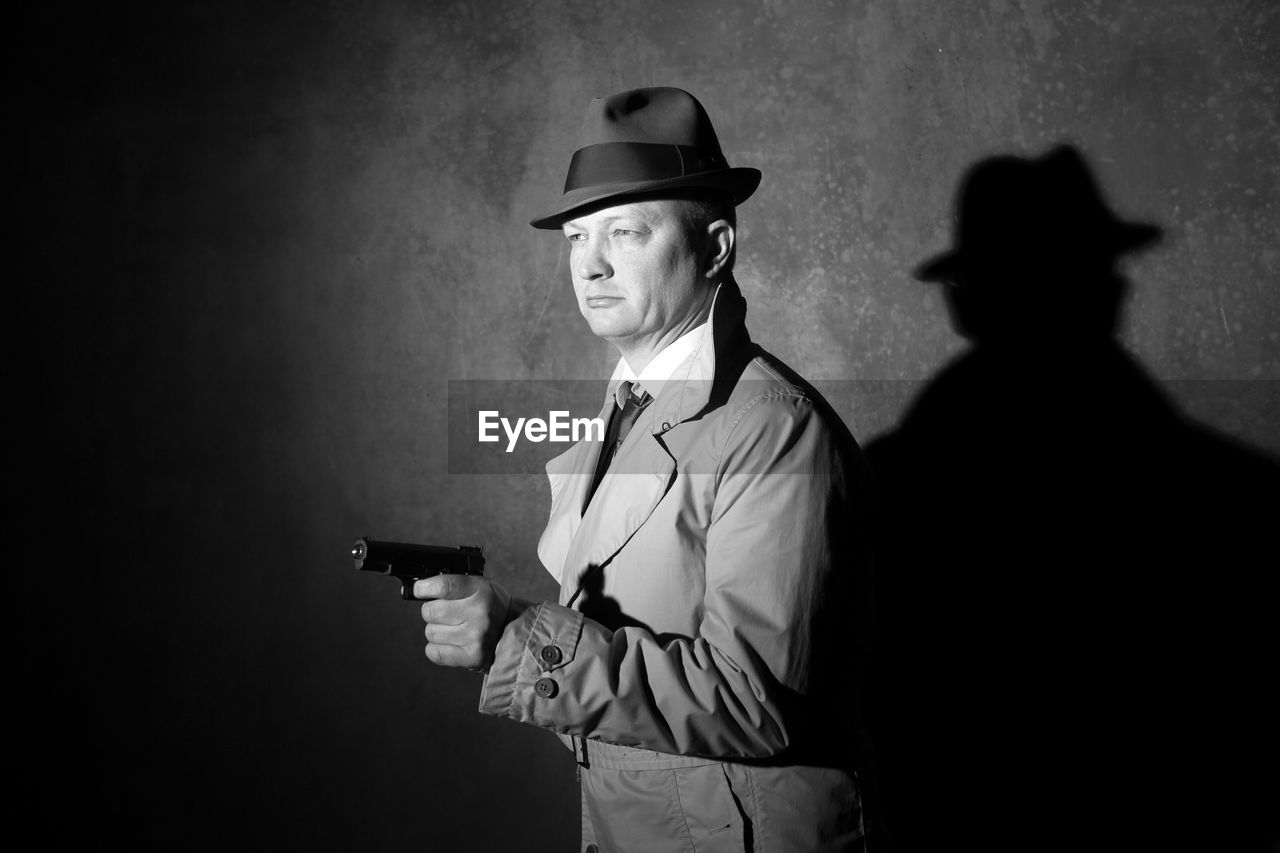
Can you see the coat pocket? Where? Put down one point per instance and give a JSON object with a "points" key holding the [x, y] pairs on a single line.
{"points": [[713, 814]]}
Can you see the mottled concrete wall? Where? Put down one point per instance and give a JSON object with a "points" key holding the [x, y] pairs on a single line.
{"points": [[272, 235]]}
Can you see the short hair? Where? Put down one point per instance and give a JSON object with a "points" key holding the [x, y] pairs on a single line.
{"points": [[701, 208]]}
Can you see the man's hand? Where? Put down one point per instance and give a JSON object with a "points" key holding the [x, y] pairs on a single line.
{"points": [[465, 615]]}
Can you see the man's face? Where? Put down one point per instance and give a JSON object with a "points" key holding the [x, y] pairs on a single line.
{"points": [[637, 273]]}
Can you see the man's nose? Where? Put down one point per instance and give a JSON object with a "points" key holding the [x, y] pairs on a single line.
{"points": [[592, 263]]}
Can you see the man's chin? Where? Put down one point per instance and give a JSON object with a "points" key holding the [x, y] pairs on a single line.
{"points": [[608, 328]]}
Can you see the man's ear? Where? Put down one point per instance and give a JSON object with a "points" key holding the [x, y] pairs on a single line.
{"points": [[720, 240]]}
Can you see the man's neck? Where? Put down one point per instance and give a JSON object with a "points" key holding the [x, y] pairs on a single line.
{"points": [[638, 353]]}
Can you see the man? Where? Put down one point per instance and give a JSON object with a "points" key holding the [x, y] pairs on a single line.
{"points": [[702, 659]]}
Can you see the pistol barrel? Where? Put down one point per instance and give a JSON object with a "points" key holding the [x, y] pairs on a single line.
{"points": [[404, 559]]}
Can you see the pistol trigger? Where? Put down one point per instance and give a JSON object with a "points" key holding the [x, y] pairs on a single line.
{"points": [[406, 589]]}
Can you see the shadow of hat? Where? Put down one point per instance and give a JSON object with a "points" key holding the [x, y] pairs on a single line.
{"points": [[645, 142], [1036, 213]]}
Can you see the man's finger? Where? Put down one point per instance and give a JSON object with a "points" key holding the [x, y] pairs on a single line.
{"points": [[442, 611], [446, 655], [444, 586], [449, 635]]}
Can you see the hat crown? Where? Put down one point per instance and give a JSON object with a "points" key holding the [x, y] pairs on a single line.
{"points": [[660, 115], [643, 142]]}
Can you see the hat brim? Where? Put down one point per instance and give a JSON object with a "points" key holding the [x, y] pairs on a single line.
{"points": [[740, 182], [1124, 237]]}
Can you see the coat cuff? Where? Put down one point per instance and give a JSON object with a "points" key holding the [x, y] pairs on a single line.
{"points": [[534, 647]]}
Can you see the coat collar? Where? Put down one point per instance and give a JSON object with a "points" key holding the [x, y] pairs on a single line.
{"points": [[692, 385]]}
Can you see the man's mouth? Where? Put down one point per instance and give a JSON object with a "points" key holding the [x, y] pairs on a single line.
{"points": [[602, 301]]}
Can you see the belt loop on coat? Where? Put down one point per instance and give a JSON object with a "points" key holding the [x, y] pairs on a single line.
{"points": [[580, 751]]}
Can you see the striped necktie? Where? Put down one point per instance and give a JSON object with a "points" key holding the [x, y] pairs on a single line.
{"points": [[619, 426]]}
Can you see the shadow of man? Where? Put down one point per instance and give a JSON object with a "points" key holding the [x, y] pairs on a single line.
{"points": [[1076, 592]]}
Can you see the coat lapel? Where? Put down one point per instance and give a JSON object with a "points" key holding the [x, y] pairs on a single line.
{"points": [[638, 477], [570, 476]]}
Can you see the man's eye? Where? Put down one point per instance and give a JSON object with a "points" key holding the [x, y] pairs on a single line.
{"points": [[624, 232], [575, 238]]}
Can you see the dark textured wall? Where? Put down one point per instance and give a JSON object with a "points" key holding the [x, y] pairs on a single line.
{"points": [[265, 236]]}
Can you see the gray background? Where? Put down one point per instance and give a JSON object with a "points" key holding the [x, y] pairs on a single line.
{"points": [[262, 240]]}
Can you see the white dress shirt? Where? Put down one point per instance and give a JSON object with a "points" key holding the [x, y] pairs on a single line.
{"points": [[660, 368]]}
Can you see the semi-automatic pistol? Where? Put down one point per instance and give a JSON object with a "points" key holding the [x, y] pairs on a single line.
{"points": [[410, 563]]}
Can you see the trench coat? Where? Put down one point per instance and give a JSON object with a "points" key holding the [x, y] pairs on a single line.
{"points": [[703, 659]]}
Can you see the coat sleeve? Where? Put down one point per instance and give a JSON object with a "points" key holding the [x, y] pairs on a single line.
{"points": [[775, 549]]}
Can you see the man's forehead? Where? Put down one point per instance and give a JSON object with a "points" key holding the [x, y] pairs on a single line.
{"points": [[651, 210]]}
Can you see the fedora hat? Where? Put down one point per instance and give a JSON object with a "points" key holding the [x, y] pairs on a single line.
{"points": [[642, 142], [1035, 212]]}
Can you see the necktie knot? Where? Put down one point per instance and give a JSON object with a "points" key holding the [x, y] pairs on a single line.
{"points": [[631, 391]]}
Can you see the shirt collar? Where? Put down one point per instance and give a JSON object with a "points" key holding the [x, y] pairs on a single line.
{"points": [[660, 368]]}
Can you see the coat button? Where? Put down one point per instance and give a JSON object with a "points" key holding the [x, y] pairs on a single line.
{"points": [[551, 655], [546, 688]]}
